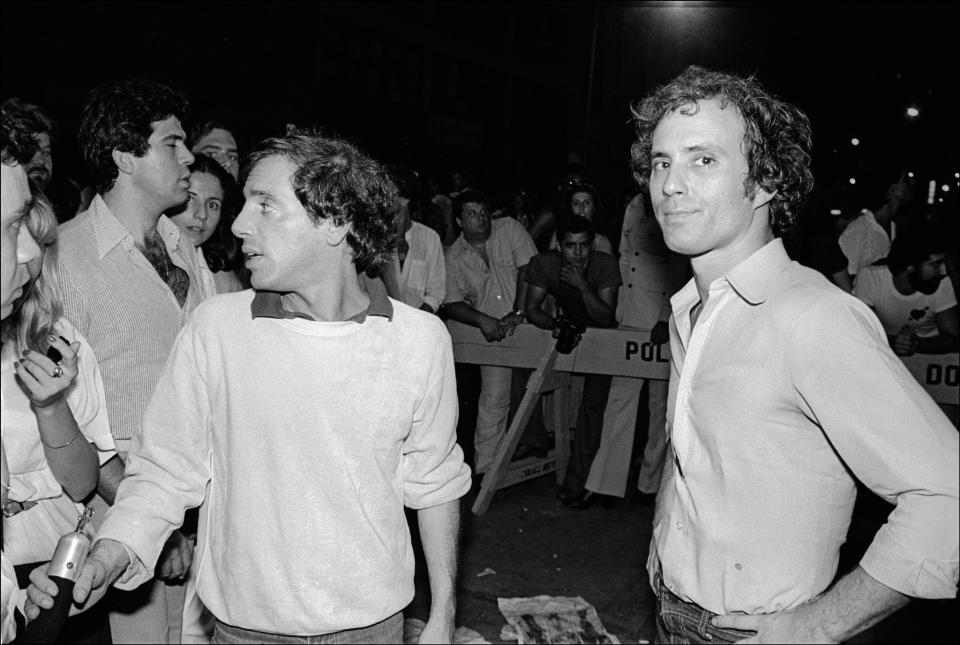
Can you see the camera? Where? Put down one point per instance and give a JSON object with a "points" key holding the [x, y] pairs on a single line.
{"points": [[567, 332]]}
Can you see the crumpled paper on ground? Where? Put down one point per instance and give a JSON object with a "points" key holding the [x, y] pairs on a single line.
{"points": [[552, 619], [463, 635]]}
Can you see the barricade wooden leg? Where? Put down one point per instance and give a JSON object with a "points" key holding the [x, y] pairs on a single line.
{"points": [[509, 443], [561, 431]]}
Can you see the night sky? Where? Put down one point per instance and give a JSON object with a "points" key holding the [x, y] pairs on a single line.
{"points": [[507, 90]]}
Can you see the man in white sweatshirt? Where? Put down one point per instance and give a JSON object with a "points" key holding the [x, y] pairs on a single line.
{"points": [[316, 409]]}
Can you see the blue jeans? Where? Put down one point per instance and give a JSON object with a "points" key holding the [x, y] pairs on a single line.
{"points": [[386, 631], [679, 621]]}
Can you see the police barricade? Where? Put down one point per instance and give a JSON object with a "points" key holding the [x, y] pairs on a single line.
{"points": [[618, 352], [938, 374]]}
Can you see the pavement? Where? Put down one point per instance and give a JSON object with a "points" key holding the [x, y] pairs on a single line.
{"points": [[536, 546]]}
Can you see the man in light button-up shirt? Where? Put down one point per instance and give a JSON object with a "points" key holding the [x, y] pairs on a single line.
{"points": [[782, 389]]}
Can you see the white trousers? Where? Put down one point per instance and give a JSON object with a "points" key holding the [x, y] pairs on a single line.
{"points": [[493, 408], [611, 465]]}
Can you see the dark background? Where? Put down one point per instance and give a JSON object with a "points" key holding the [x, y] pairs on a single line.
{"points": [[508, 90]]}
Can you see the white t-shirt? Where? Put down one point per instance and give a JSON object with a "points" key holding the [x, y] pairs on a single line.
{"points": [[874, 286]]}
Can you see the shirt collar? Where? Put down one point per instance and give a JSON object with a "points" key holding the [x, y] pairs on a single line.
{"points": [[109, 232], [267, 304], [752, 279], [169, 231]]}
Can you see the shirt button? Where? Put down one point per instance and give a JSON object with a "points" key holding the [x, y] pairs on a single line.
{"points": [[679, 525], [629, 286], [636, 253], [633, 268]]}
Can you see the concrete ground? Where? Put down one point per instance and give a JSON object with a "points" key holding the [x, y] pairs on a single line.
{"points": [[537, 546]]}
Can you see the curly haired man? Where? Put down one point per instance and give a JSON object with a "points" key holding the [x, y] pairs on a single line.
{"points": [[783, 389]]}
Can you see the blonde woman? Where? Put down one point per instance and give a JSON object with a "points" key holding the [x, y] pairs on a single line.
{"points": [[55, 430]]}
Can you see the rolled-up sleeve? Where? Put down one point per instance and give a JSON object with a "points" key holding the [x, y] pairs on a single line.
{"points": [[892, 436], [168, 465], [433, 468]]}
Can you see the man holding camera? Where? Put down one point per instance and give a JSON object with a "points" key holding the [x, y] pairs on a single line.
{"points": [[584, 283]]}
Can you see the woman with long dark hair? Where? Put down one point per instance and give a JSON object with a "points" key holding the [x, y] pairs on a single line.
{"points": [[206, 219]]}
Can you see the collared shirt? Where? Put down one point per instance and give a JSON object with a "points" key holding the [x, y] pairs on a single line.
{"points": [[492, 288], [269, 304], [423, 276], [129, 315], [864, 241], [651, 272], [783, 385]]}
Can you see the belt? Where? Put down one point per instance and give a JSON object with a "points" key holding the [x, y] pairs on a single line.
{"points": [[12, 507]]}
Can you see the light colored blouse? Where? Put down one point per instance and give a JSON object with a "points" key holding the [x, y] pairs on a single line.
{"points": [[32, 534]]}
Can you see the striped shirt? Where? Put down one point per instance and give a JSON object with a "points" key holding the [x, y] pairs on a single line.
{"points": [[117, 300]]}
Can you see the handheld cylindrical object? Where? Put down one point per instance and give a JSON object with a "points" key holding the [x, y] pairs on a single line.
{"points": [[64, 569]]}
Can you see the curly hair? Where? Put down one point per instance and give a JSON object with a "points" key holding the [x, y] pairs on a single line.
{"points": [[17, 145], [776, 140], [222, 248], [335, 180], [120, 116], [39, 308], [37, 120]]}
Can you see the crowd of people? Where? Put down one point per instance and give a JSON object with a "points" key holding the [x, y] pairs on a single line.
{"points": [[262, 331]]}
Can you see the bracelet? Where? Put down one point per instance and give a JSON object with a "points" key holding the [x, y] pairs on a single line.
{"points": [[72, 439]]}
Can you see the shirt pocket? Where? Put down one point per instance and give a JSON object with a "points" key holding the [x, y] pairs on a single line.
{"points": [[416, 274], [505, 263]]}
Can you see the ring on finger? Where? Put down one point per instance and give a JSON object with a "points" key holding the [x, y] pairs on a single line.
{"points": [[58, 372]]}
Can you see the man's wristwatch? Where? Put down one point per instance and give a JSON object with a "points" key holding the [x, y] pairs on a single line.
{"points": [[519, 312]]}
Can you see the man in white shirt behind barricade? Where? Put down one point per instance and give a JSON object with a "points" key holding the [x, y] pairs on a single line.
{"points": [[782, 389], [316, 410]]}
